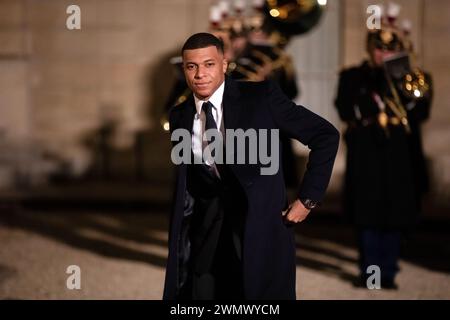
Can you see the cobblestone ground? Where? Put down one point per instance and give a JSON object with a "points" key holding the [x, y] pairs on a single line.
{"points": [[122, 255]]}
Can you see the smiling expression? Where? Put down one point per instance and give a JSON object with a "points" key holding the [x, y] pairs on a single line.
{"points": [[204, 69]]}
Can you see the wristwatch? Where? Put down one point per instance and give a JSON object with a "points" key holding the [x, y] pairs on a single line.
{"points": [[308, 203]]}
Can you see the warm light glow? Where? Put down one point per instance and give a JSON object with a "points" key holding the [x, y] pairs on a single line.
{"points": [[166, 126], [274, 13], [417, 93], [322, 2], [181, 99]]}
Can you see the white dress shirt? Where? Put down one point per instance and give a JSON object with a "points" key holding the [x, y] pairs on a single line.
{"points": [[198, 128]]}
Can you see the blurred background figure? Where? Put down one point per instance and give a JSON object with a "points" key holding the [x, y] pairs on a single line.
{"points": [[384, 102], [255, 38]]}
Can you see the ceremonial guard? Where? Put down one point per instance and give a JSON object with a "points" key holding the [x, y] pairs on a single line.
{"points": [[384, 102]]}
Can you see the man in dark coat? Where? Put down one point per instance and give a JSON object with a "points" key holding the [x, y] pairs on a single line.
{"points": [[386, 172], [231, 232]]}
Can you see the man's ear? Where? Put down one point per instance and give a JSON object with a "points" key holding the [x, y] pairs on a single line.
{"points": [[225, 65]]}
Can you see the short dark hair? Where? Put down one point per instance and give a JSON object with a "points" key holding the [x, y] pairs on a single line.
{"points": [[202, 40]]}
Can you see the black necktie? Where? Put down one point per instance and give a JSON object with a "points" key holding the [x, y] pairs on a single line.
{"points": [[210, 122]]}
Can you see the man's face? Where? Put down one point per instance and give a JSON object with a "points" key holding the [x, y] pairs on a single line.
{"points": [[379, 55], [204, 70]]}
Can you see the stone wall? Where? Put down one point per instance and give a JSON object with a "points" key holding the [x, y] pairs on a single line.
{"points": [[59, 87]]}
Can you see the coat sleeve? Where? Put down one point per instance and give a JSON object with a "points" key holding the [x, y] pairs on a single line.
{"points": [[310, 129]]}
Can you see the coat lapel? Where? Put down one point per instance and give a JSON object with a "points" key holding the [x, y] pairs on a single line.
{"points": [[231, 106], [188, 114]]}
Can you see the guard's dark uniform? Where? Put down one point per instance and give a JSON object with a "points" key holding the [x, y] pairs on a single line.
{"points": [[386, 173]]}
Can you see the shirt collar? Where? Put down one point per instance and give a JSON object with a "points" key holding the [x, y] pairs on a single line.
{"points": [[215, 99]]}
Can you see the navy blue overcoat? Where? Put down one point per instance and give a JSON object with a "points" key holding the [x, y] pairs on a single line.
{"points": [[269, 262]]}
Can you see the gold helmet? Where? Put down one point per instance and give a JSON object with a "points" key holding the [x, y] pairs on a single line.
{"points": [[391, 37], [388, 37]]}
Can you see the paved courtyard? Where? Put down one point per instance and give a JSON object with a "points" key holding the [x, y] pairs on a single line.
{"points": [[122, 255]]}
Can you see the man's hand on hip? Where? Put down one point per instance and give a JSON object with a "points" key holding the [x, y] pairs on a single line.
{"points": [[296, 212]]}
